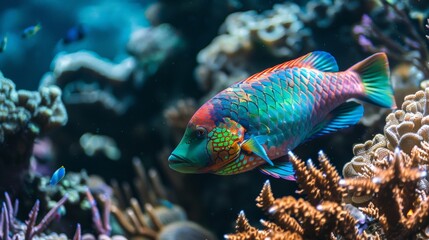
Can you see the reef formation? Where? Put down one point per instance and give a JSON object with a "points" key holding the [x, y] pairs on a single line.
{"points": [[130, 85], [391, 168]]}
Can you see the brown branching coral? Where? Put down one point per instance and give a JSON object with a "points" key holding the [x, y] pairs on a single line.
{"points": [[322, 216], [407, 212], [398, 209]]}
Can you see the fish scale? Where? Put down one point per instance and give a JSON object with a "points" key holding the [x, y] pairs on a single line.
{"points": [[274, 111]]}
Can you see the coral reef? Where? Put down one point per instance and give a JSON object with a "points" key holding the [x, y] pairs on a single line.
{"points": [[322, 216], [407, 212], [10, 226], [78, 206], [131, 94], [25, 115], [325, 215], [405, 128]]}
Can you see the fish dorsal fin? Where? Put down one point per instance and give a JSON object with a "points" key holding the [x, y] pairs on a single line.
{"points": [[254, 145], [319, 60], [345, 115]]}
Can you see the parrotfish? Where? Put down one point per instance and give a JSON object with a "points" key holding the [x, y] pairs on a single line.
{"points": [[257, 121], [57, 176], [31, 31]]}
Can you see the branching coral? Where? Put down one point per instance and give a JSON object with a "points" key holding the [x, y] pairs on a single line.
{"points": [[322, 216], [408, 210], [77, 207], [10, 226]]}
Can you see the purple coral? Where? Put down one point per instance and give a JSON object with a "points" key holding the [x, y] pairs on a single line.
{"points": [[9, 225]]}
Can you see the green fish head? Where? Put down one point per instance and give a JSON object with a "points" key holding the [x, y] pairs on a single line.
{"points": [[191, 155], [207, 149]]}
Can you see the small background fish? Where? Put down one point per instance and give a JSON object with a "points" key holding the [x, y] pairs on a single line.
{"points": [[31, 31], [57, 176], [255, 122]]}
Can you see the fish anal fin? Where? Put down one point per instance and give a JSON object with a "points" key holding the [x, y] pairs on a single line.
{"points": [[254, 145], [344, 116], [280, 170]]}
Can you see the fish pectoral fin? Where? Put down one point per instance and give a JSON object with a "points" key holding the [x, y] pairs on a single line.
{"points": [[280, 170], [345, 115], [254, 145]]}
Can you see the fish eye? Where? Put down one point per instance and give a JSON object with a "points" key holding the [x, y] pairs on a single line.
{"points": [[200, 132]]}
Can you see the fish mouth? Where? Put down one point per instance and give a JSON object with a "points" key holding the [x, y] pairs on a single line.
{"points": [[180, 164], [174, 159]]}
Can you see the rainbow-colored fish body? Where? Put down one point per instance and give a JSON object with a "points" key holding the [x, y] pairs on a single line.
{"points": [[255, 122]]}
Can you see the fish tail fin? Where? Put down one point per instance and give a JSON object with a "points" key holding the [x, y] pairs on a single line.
{"points": [[374, 73]]}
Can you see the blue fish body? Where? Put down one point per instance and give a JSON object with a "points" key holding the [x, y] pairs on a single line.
{"points": [[57, 176]]}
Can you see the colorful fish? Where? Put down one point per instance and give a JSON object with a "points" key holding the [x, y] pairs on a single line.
{"points": [[57, 176], [31, 31], [3, 44], [257, 121]]}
